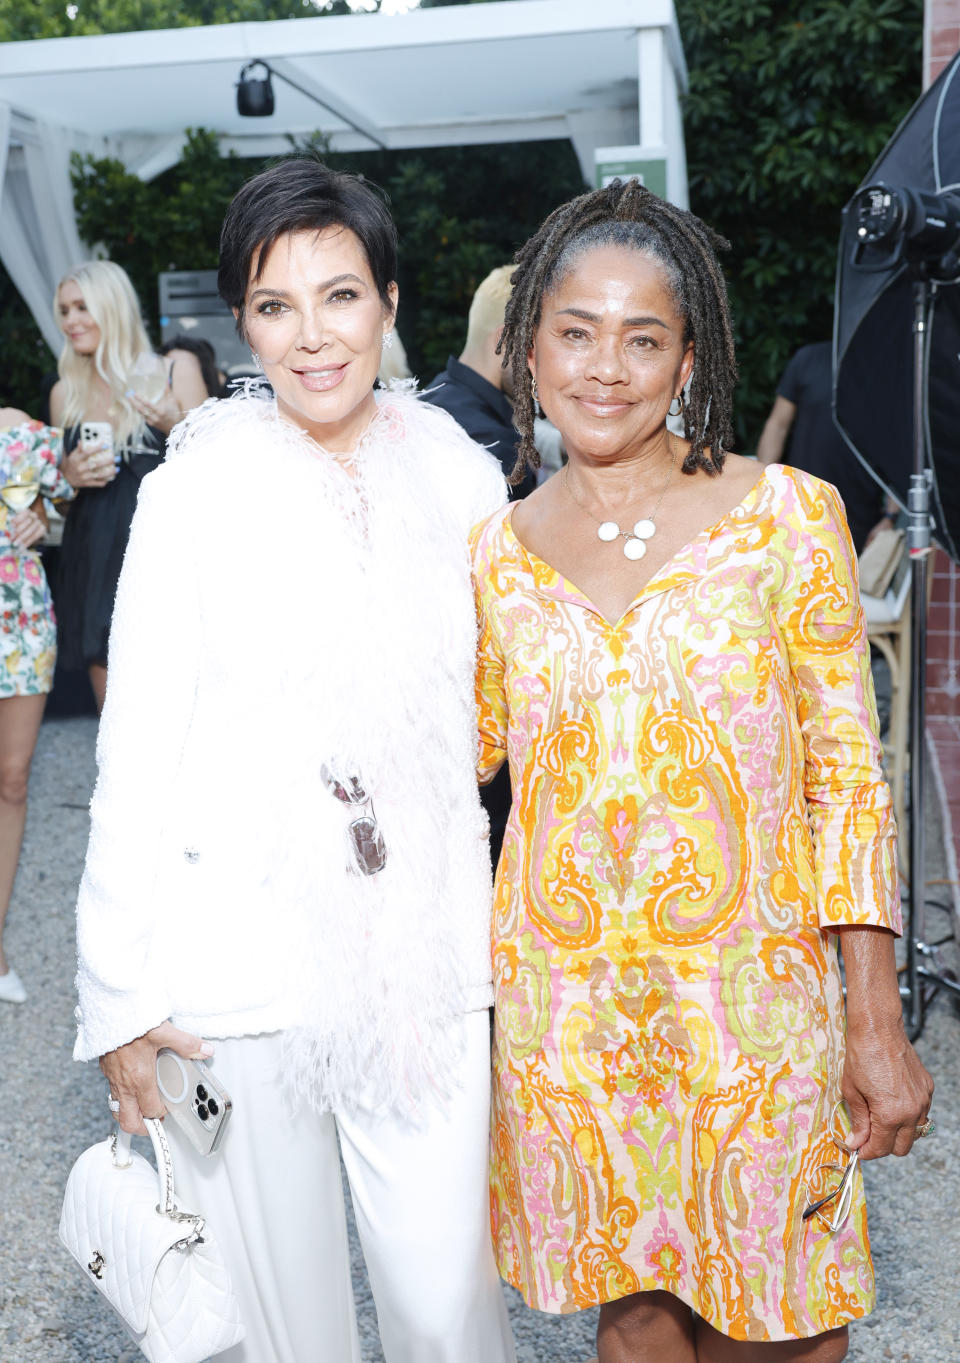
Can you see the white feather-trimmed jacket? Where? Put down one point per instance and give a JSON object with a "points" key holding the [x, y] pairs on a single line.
{"points": [[275, 614]]}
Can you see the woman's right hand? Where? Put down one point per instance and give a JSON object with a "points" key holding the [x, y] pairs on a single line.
{"points": [[91, 467], [131, 1072], [29, 527]]}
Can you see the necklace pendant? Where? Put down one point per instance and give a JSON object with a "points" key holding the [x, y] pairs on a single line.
{"points": [[634, 548], [608, 532], [644, 530]]}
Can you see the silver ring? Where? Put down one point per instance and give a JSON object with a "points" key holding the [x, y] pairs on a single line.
{"points": [[113, 1104]]}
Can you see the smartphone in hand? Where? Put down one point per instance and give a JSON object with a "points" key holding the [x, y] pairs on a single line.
{"points": [[98, 435], [194, 1098]]}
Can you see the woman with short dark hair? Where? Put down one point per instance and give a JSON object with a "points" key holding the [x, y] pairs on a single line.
{"points": [[674, 659], [258, 874]]}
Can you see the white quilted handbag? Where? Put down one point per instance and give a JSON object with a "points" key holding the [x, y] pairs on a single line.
{"points": [[157, 1266]]}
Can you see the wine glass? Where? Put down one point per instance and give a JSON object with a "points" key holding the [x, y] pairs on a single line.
{"points": [[148, 378], [22, 487]]}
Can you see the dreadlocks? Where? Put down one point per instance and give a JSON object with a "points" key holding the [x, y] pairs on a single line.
{"points": [[626, 214]]}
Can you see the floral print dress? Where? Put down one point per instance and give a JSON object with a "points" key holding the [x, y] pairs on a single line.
{"points": [[698, 802], [28, 629]]}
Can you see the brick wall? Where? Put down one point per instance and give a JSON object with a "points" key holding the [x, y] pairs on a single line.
{"points": [[941, 36], [941, 42], [943, 638]]}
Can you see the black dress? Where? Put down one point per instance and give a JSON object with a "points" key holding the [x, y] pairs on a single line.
{"points": [[91, 555]]}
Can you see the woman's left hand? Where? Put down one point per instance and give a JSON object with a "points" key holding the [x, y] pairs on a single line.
{"points": [[163, 415], [28, 527], [887, 1088]]}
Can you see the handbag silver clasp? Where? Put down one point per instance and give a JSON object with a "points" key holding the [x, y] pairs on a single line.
{"points": [[96, 1265], [196, 1235]]}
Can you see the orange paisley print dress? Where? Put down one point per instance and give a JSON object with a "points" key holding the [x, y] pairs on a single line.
{"points": [[698, 801]]}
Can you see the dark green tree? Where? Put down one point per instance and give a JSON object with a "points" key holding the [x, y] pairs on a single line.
{"points": [[24, 19], [169, 223], [26, 356], [789, 104]]}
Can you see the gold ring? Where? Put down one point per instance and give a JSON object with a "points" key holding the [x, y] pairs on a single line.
{"points": [[926, 1128]]}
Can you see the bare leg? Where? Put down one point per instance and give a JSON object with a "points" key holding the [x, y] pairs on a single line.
{"points": [[20, 718], [98, 680], [713, 1347], [650, 1327], [646, 1327]]}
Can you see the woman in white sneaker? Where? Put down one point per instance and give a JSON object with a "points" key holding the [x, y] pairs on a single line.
{"points": [[294, 623]]}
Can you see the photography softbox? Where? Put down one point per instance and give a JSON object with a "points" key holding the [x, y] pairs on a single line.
{"points": [[874, 380]]}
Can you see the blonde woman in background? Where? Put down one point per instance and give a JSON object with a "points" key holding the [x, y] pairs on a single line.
{"points": [[108, 373]]}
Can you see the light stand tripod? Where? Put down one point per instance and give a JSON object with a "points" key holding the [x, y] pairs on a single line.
{"points": [[899, 257], [925, 976]]}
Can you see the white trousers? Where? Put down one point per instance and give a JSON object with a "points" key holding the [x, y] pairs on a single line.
{"points": [[274, 1200]]}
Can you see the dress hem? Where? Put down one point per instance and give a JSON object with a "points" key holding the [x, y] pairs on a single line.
{"points": [[562, 1310]]}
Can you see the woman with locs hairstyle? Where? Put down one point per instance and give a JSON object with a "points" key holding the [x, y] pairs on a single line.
{"points": [[674, 661], [260, 886]]}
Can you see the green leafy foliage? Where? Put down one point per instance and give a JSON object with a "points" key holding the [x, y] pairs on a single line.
{"points": [[26, 356], [24, 19], [789, 104], [170, 223]]}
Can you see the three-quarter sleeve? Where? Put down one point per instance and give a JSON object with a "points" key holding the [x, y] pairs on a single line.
{"points": [[848, 800], [492, 714]]}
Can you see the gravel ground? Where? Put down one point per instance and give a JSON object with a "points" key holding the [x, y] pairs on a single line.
{"points": [[51, 1109]]}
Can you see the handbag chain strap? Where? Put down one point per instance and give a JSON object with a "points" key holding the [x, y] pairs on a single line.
{"points": [[167, 1205]]}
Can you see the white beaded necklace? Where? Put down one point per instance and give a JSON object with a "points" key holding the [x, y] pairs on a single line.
{"points": [[634, 541]]}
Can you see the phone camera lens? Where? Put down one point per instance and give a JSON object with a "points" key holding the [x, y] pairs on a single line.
{"points": [[202, 1113], [213, 1106], [201, 1093]]}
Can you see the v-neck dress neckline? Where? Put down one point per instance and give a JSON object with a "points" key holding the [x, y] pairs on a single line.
{"points": [[679, 567]]}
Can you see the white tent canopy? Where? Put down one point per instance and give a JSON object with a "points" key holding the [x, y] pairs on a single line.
{"points": [[603, 74]]}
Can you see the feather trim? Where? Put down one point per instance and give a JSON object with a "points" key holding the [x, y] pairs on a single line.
{"points": [[376, 680]]}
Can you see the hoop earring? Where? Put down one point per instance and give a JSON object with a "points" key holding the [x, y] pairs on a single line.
{"points": [[256, 359], [681, 403], [388, 339], [533, 388]]}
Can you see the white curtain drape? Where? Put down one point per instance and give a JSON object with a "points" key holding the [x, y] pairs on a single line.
{"points": [[38, 229]]}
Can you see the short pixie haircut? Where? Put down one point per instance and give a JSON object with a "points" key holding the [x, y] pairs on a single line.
{"points": [[301, 194]]}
